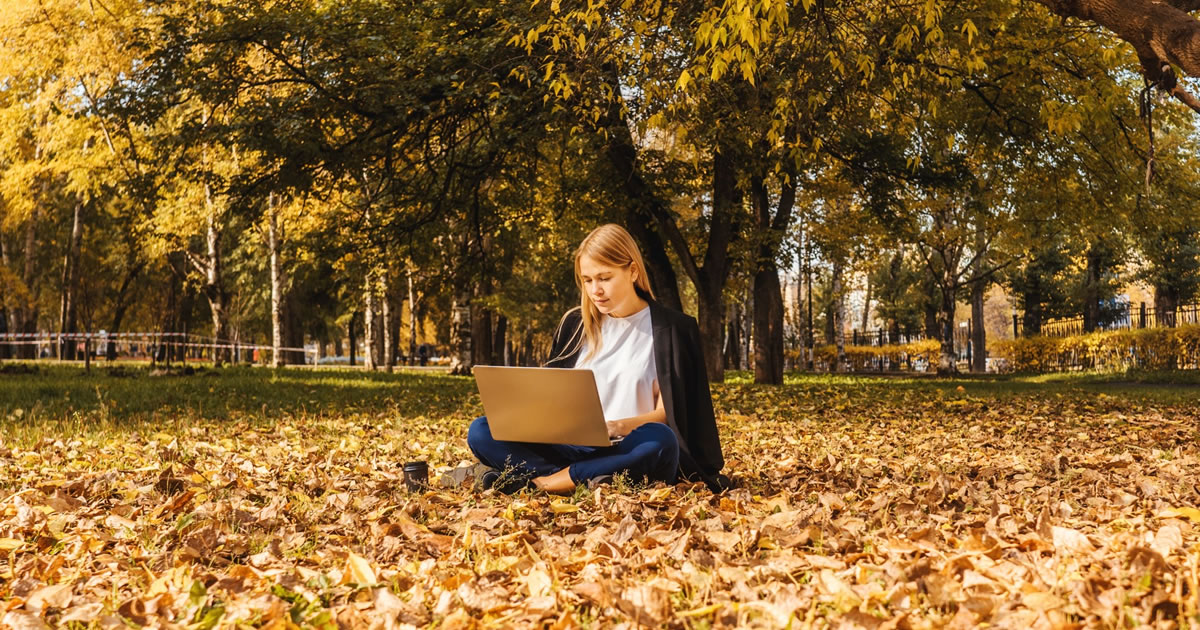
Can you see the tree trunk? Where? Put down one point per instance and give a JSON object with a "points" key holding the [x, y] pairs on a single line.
{"points": [[277, 283], [352, 338], [745, 324], [978, 292], [5, 351], [830, 331], [70, 287], [1031, 320], [412, 320], [460, 334], [768, 327], [166, 320], [947, 361], [663, 279], [866, 312], [293, 332], [499, 339], [839, 315], [710, 279], [895, 268], [122, 302], [1091, 287], [932, 299], [214, 288], [527, 350], [369, 328], [481, 329], [733, 338], [768, 295], [810, 335], [978, 328], [1166, 301], [5, 348], [389, 354], [26, 315]]}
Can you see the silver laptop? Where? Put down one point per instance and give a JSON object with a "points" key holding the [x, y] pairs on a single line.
{"points": [[543, 405]]}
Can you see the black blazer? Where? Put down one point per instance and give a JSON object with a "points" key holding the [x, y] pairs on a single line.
{"points": [[682, 383]]}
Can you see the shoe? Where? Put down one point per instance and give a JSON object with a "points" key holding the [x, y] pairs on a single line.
{"points": [[487, 480], [602, 480]]}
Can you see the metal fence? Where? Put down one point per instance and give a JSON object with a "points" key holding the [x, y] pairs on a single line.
{"points": [[1123, 317]]}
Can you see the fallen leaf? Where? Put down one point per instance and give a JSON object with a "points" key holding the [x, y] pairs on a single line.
{"points": [[647, 604], [359, 570], [53, 596], [21, 620], [1190, 513], [1070, 540], [562, 507]]}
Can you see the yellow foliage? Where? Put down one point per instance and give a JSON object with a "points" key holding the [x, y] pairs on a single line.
{"points": [[1110, 350]]}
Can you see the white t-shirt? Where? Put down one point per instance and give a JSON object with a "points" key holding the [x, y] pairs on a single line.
{"points": [[624, 365]]}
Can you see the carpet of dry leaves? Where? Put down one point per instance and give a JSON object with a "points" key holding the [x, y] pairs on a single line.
{"points": [[860, 506]]}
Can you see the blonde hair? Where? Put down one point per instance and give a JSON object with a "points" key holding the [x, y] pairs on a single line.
{"points": [[610, 245]]}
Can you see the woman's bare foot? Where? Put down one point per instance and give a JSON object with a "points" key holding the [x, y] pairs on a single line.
{"points": [[557, 483]]}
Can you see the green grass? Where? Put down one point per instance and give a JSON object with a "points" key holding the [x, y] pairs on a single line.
{"points": [[60, 400], [64, 400]]}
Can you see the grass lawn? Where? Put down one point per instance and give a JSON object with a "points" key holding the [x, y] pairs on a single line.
{"points": [[274, 498]]}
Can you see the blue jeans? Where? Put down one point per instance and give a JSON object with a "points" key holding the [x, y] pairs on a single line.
{"points": [[650, 452]]}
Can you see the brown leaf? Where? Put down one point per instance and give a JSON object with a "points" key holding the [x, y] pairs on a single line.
{"points": [[21, 620], [648, 605], [54, 596], [726, 542], [483, 599], [1167, 540], [942, 590], [81, 612], [1042, 601], [1070, 541], [593, 592], [625, 531]]}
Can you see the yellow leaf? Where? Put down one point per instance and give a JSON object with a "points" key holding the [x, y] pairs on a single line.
{"points": [[10, 544], [684, 80], [1190, 513], [358, 570], [562, 507], [660, 494]]}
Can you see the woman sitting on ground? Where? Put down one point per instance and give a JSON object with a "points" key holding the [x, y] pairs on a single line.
{"points": [[650, 373]]}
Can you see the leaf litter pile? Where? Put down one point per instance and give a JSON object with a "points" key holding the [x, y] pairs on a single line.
{"points": [[857, 507]]}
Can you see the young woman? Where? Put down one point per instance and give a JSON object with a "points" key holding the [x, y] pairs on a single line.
{"points": [[650, 375]]}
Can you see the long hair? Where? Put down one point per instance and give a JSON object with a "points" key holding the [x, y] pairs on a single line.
{"points": [[608, 245]]}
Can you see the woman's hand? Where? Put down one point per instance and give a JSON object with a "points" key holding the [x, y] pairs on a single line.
{"points": [[618, 428]]}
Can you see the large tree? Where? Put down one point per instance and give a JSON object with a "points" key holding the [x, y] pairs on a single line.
{"points": [[1163, 33]]}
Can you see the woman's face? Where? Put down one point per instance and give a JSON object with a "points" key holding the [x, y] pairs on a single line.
{"points": [[609, 288]]}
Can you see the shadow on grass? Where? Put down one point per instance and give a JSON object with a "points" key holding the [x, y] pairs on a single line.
{"points": [[1137, 384], [131, 393]]}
